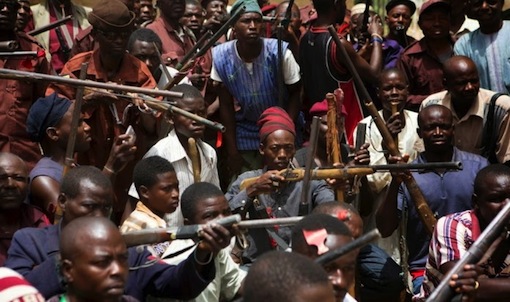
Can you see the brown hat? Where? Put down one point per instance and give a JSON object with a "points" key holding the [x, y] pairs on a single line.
{"points": [[435, 3], [111, 15]]}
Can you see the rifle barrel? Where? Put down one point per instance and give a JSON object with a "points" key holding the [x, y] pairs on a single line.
{"points": [[34, 77], [153, 236], [193, 50], [27, 53], [456, 165], [50, 26], [269, 222], [9, 45], [165, 106], [443, 291], [223, 29], [341, 251]]}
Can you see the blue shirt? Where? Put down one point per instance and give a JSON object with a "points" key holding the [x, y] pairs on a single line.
{"points": [[34, 254], [446, 193]]}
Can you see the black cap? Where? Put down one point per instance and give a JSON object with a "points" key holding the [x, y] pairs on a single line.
{"points": [[407, 3]]}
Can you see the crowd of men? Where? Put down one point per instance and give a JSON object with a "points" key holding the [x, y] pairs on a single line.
{"points": [[270, 95]]}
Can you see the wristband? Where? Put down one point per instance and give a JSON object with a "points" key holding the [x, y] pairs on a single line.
{"points": [[203, 263], [376, 39], [109, 170]]}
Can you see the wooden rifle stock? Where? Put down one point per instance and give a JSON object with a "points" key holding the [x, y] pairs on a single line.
{"points": [[195, 159], [344, 173], [426, 215], [333, 143], [153, 236], [443, 292]]}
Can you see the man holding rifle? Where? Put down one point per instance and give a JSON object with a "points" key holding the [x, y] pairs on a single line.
{"points": [[270, 196], [108, 115], [17, 96], [445, 191], [86, 192], [455, 233], [247, 69]]}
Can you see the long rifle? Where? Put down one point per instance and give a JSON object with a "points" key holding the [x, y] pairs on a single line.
{"points": [[495, 229], [282, 25], [305, 204], [35, 77], [50, 26], [21, 53], [343, 250], [364, 24], [152, 236], [426, 215], [69, 159], [195, 52], [347, 172]]}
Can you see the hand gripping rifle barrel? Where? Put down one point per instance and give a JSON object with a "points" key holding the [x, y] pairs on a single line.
{"points": [[443, 291], [426, 215], [153, 236]]}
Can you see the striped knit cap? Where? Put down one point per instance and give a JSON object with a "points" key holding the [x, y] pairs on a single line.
{"points": [[14, 288], [272, 119]]}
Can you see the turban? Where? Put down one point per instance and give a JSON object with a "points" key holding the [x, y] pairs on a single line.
{"points": [[272, 119], [321, 108], [111, 15], [45, 112], [251, 6]]}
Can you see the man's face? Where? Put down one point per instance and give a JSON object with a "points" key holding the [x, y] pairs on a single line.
{"points": [[146, 11], [436, 129], [341, 271], [215, 6], [8, 14], [92, 200], [172, 9], [435, 23], [278, 149], [98, 272], [186, 126], [295, 15], [163, 196], [488, 11], [112, 42], [399, 17], [193, 17], [494, 196], [247, 28], [23, 15], [147, 53], [210, 209], [13, 182], [83, 137], [462, 81], [393, 90]]}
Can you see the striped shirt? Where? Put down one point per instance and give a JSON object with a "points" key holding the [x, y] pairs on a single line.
{"points": [[453, 236], [143, 218]]}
